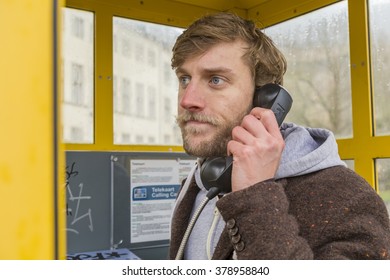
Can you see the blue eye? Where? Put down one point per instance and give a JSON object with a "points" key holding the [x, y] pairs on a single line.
{"points": [[184, 81], [216, 80]]}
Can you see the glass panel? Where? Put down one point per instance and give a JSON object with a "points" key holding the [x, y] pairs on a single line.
{"points": [[350, 163], [145, 86], [78, 69], [316, 47], [379, 17], [383, 173]]}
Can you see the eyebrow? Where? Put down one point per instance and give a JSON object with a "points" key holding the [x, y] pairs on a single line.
{"points": [[210, 70], [218, 70]]}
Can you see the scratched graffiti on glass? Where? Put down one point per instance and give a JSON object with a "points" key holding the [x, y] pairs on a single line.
{"points": [[75, 199]]}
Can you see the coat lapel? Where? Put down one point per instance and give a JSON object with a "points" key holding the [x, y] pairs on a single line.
{"points": [[181, 218], [224, 248]]}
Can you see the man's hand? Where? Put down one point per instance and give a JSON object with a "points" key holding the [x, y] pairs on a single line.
{"points": [[256, 147]]}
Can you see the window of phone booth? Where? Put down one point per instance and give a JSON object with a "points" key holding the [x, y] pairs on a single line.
{"points": [[78, 81], [379, 20], [145, 86], [316, 47], [383, 175], [350, 163]]}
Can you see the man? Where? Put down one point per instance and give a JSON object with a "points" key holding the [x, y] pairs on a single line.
{"points": [[292, 197]]}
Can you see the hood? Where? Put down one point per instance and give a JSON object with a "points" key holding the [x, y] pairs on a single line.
{"points": [[307, 150]]}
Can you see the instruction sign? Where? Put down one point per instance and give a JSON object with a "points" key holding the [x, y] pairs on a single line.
{"points": [[154, 184]]}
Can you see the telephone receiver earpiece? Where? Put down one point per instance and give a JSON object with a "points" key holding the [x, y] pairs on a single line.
{"points": [[217, 171], [274, 97]]}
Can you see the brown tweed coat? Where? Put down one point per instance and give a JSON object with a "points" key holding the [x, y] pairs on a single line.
{"points": [[329, 214]]}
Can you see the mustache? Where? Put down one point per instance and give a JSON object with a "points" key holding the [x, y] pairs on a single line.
{"points": [[189, 116]]}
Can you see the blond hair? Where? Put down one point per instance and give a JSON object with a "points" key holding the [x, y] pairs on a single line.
{"points": [[265, 61]]}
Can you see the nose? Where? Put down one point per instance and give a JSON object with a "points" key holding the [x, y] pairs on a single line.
{"points": [[190, 98]]}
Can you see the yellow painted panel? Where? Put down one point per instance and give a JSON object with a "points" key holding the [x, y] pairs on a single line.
{"points": [[103, 79], [361, 89], [373, 147], [360, 69], [158, 11], [27, 162], [275, 11], [60, 171], [363, 151], [130, 148]]}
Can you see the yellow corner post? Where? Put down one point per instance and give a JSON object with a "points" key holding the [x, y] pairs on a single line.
{"points": [[31, 156]]}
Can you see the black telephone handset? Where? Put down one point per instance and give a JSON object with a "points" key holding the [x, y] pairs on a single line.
{"points": [[217, 171]]}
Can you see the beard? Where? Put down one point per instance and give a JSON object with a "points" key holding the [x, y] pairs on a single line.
{"points": [[217, 146]]}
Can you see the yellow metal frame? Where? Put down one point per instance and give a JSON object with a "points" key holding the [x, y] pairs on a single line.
{"points": [[31, 155], [270, 12], [364, 147]]}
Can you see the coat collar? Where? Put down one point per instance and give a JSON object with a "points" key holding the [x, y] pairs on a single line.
{"points": [[180, 220]]}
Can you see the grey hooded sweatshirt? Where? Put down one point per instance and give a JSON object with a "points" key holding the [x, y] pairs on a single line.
{"points": [[306, 150]]}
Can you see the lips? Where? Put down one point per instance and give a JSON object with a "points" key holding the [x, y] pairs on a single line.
{"points": [[197, 124], [196, 127], [194, 122]]}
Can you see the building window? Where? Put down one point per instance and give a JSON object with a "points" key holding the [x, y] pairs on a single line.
{"points": [[167, 109], [126, 50], [167, 73], [139, 139], [139, 53], [151, 58], [140, 100], [126, 97], [152, 102], [125, 138], [167, 138], [76, 134], [78, 27], [77, 84]]}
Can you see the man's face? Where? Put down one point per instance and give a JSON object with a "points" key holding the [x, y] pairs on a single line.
{"points": [[215, 93]]}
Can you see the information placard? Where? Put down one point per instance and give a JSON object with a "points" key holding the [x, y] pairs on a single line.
{"points": [[153, 188]]}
